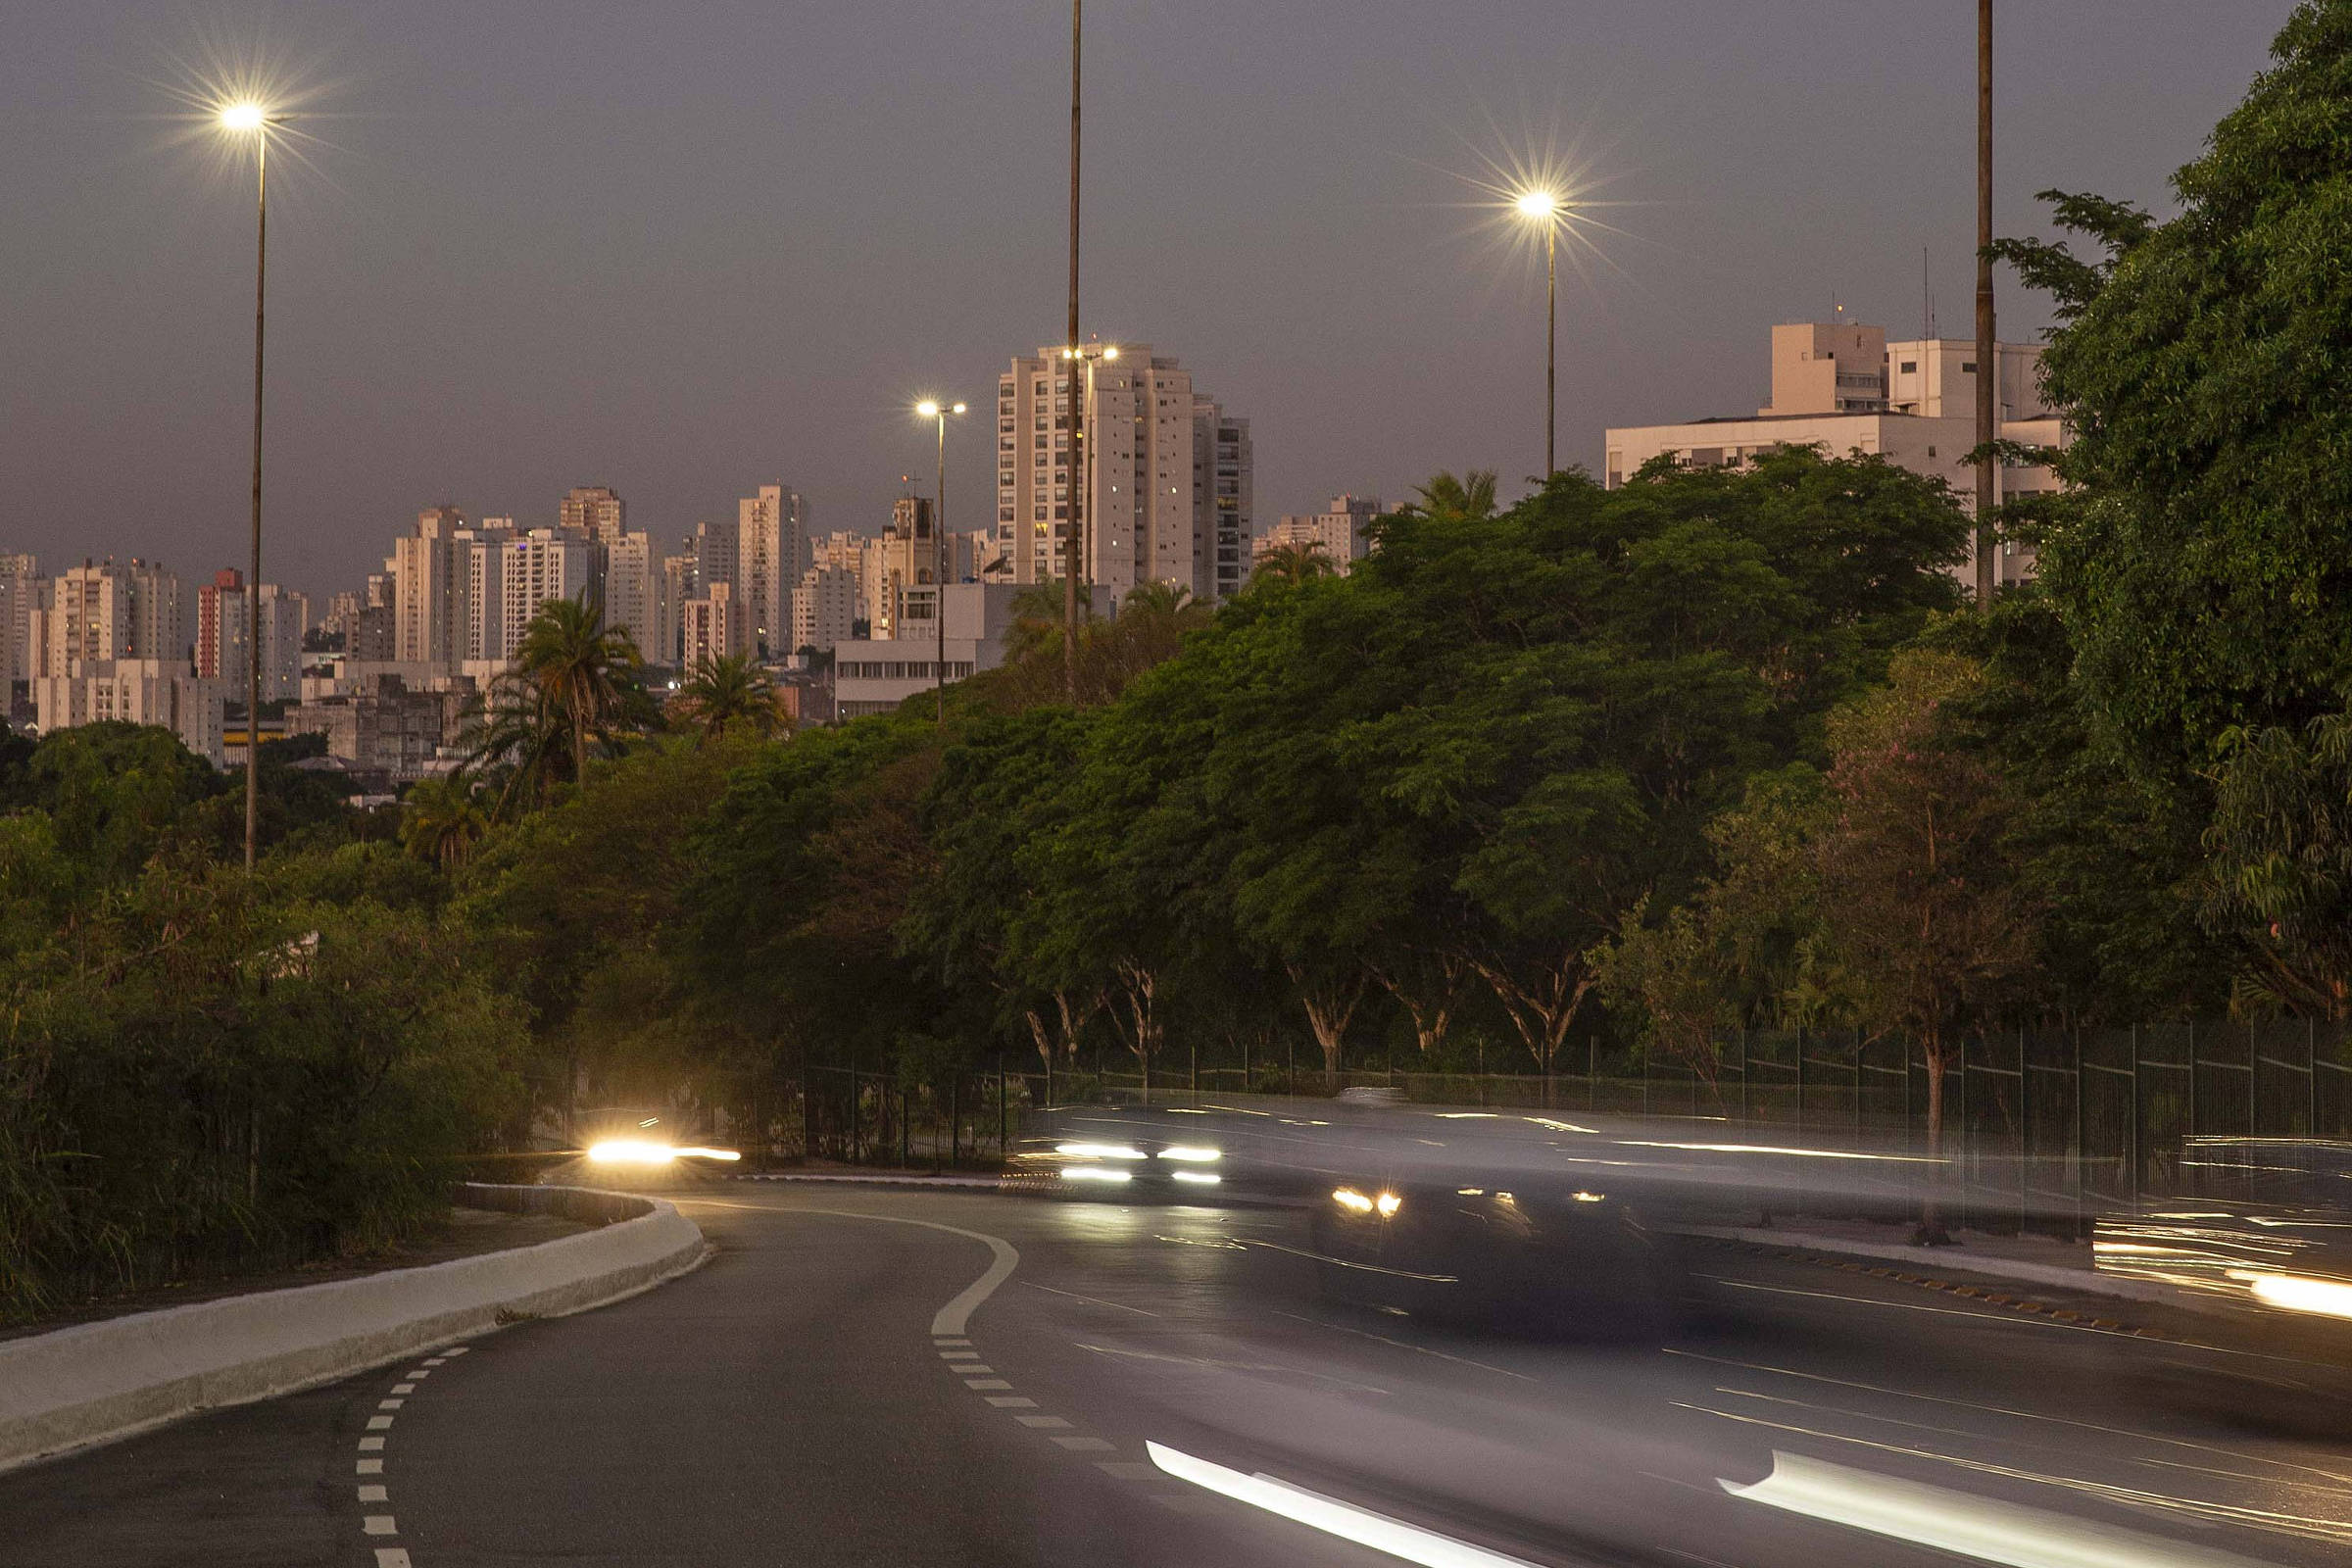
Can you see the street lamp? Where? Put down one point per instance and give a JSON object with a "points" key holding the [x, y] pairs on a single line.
{"points": [[1075, 356], [932, 409], [254, 120], [1548, 209]]}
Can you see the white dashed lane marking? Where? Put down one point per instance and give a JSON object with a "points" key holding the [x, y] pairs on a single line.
{"points": [[390, 1404], [1086, 1444], [403, 1388], [370, 1467], [391, 1557], [986, 1382], [371, 1444], [374, 1495], [378, 1524], [1012, 1401], [1127, 1469], [379, 1423], [1041, 1420]]}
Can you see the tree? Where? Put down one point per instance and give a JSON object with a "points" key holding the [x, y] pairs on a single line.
{"points": [[2207, 537], [1292, 564], [2278, 888], [731, 690], [578, 673], [441, 822], [1922, 904]]}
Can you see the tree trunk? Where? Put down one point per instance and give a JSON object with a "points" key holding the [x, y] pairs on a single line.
{"points": [[1328, 1009], [1930, 1214]]}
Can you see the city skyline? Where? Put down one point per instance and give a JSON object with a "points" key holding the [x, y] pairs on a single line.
{"points": [[653, 287]]}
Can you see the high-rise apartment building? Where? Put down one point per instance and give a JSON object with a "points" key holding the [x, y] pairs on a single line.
{"points": [[824, 608], [711, 627], [541, 564], [222, 637], [1843, 388], [673, 589], [593, 509], [1168, 484], [1340, 531], [105, 610], [431, 597], [771, 552], [629, 588], [24, 596]]}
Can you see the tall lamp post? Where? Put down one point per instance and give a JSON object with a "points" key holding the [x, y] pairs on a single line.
{"points": [[1989, 349], [252, 120], [1547, 208], [939, 411], [1072, 556]]}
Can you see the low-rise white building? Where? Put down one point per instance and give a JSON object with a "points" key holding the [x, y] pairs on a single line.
{"points": [[875, 675], [134, 691], [1843, 388]]}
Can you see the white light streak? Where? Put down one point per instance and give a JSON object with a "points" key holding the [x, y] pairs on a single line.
{"points": [[1333, 1517]]}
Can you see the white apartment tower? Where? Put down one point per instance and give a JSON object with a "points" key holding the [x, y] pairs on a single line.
{"points": [[543, 564], [102, 611], [1154, 509], [771, 552], [823, 607], [430, 614]]}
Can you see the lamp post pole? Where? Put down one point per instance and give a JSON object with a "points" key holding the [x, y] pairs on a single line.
{"points": [[1988, 348], [1073, 557], [1552, 344], [252, 582], [253, 119], [938, 412]]}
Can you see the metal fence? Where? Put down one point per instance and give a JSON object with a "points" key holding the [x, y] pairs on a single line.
{"points": [[2042, 1127]]}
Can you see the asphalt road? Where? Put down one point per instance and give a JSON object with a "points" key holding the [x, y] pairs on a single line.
{"points": [[803, 1399]]}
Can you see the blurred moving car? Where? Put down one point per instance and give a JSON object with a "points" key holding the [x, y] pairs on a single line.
{"points": [[2265, 1219], [1567, 1260]]}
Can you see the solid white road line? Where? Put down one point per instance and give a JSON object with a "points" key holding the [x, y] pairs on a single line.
{"points": [[1331, 1516], [1968, 1526], [951, 1319]]}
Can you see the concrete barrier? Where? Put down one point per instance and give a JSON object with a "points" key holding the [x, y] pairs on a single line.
{"points": [[100, 1381]]}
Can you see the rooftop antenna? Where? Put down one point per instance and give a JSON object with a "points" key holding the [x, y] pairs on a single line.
{"points": [[1926, 298]]}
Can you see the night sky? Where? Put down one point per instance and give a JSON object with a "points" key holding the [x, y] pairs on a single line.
{"points": [[686, 248]]}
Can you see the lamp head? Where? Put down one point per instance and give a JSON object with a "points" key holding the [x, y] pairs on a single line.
{"points": [[957, 409], [244, 116], [927, 409], [1111, 351], [1538, 205]]}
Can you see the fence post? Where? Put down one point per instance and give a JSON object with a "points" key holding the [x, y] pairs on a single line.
{"points": [[2082, 1146], [2253, 1083], [1049, 1077], [854, 1107], [1746, 1117], [2311, 1078], [1196, 1048], [2132, 1141], [907, 1126], [1801, 1083], [1003, 1115], [1591, 1071], [1858, 1048], [808, 1113], [2024, 1134], [1968, 1142], [955, 1119], [2193, 1128]]}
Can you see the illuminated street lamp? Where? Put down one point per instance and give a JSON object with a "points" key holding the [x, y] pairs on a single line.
{"points": [[253, 121], [931, 408], [1548, 209]]}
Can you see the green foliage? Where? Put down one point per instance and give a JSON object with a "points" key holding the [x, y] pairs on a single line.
{"points": [[2200, 557], [2279, 881], [730, 692]]}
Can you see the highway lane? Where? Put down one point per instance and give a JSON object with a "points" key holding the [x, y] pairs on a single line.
{"points": [[791, 1402]]}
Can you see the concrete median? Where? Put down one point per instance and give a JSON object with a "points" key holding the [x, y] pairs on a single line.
{"points": [[105, 1380]]}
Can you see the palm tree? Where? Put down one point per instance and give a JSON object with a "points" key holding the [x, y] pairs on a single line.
{"points": [[1293, 565], [731, 690], [1470, 496], [440, 821], [1037, 613], [580, 672]]}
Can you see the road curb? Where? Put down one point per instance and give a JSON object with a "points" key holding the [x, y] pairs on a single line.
{"points": [[1960, 1261], [97, 1382], [878, 1179]]}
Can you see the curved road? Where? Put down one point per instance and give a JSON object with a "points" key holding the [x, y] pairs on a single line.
{"points": [[880, 1377]]}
